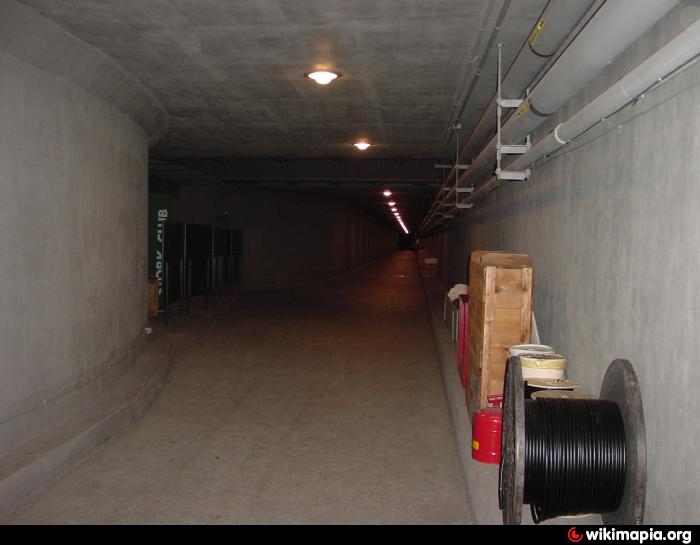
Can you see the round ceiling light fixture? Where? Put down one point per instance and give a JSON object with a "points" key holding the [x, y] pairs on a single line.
{"points": [[362, 146], [387, 193], [323, 77], [392, 203]]}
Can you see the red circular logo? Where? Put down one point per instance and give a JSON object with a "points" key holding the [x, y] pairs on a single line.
{"points": [[573, 535]]}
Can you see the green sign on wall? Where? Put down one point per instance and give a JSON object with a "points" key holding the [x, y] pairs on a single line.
{"points": [[158, 209]]}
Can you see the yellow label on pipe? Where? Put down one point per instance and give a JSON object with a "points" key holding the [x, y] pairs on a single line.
{"points": [[536, 32], [524, 107], [475, 445]]}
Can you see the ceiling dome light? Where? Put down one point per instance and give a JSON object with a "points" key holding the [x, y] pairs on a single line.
{"points": [[393, 210], [362, 146], [323, 77], [387, 193], [392, 203]]}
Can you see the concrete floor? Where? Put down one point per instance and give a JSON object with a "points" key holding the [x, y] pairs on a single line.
{"points": [[321, 405]]}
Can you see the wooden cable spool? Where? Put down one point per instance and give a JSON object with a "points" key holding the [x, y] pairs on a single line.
{"points": [[620, 386]]}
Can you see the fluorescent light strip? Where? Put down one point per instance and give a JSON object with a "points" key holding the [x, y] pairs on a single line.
{"points": [[395, 211]]}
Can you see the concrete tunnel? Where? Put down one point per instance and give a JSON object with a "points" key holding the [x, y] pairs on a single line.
{"points": [[253, 255]]}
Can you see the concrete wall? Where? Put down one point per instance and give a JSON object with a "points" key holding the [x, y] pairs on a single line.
{"points": [[288, 236], [613, 228], [73, 195]]}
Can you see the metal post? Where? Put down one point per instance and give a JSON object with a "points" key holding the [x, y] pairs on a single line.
{"points": [[229, 276], [221, 276], [212, 274], [213, 264], [499, 111], [181, 287], [183, 275], [206, 289], [189, 285], [215, 276]]}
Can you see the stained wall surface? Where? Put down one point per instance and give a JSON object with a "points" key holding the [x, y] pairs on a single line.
{"points": [[73, 195]]}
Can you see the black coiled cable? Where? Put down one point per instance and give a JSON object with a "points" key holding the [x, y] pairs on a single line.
{"points": [[574, 457]]}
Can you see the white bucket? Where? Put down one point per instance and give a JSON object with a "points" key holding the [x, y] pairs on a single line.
{"points": [[547, 366], [528, 373]]}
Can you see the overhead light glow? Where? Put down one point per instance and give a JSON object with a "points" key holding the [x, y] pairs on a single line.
{"points": [[392, 203], [362, 146], [323, 77], [393, 209]]}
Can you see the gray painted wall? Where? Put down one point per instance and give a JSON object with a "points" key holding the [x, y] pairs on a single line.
{"points": [[288, 237], [73, 182], [613, 227]]}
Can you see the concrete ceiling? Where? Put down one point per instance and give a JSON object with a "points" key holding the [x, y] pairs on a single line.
{"points": [[230, 72], [230, 75]]}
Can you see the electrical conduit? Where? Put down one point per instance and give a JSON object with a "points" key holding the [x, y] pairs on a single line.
{"points": [[615, 26]]}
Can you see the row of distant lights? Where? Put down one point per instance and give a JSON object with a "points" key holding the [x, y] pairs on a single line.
{"points": [[324, 77], [397, 214]]}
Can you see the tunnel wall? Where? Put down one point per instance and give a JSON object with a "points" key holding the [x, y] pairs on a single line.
{"points": [[288, 237], [613, 229], [73, 196]]}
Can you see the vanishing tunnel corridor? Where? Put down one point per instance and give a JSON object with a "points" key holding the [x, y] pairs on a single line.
{"points": [[309, 406], [205, 312]]}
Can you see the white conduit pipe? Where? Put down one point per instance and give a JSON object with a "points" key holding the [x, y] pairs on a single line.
{"points": [[676, 53], [616, 25]]}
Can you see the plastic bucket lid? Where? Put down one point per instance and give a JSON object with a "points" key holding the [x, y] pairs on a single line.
{"points": [[520, 349]]}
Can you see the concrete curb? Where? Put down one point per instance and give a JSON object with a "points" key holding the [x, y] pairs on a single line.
{"points": [[481, 479], [33, 467]]}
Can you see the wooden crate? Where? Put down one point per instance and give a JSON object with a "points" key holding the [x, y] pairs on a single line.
{"points": [[500, 314]]}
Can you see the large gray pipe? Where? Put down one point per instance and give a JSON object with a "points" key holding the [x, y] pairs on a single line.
{"points": [[676, 53], [614, 27], [557, 21]]}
